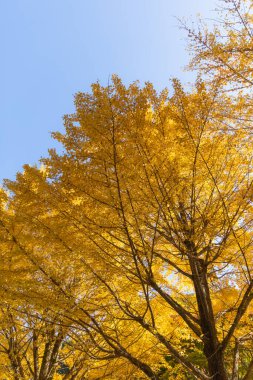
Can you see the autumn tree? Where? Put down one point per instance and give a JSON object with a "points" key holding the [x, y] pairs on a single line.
{"points": [[224, 53], [35, 346], [139, 233], [141, 230]]}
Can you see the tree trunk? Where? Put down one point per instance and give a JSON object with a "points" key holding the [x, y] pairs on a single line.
{"points": [[212, 350]]}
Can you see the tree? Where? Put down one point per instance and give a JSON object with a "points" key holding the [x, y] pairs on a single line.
{"points": [[139, 234], [224, 54], [33, 346], [145, 226]]}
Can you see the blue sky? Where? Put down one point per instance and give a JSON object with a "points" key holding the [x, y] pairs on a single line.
{"points": [[52, 49]]}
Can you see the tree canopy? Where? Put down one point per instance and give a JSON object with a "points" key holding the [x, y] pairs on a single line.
{"points": [[129, 254]]}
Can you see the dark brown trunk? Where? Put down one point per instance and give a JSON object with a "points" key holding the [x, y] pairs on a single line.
{"points": [[54, 356], [45, 364], [212, 350], [216, 365]]}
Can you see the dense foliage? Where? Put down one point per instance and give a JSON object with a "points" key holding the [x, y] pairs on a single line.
{"points": [[130, 254]]}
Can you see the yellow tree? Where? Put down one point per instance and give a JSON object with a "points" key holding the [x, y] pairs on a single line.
{"points": [[140, 233], [223, 55], [34, 346]]}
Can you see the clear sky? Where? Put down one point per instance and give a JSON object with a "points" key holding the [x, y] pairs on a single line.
{"points": [[52, 49]]}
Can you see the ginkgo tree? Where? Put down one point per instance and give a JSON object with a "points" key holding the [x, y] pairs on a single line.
{"points": [[30, 346], [141, 231], [139, 234]]}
